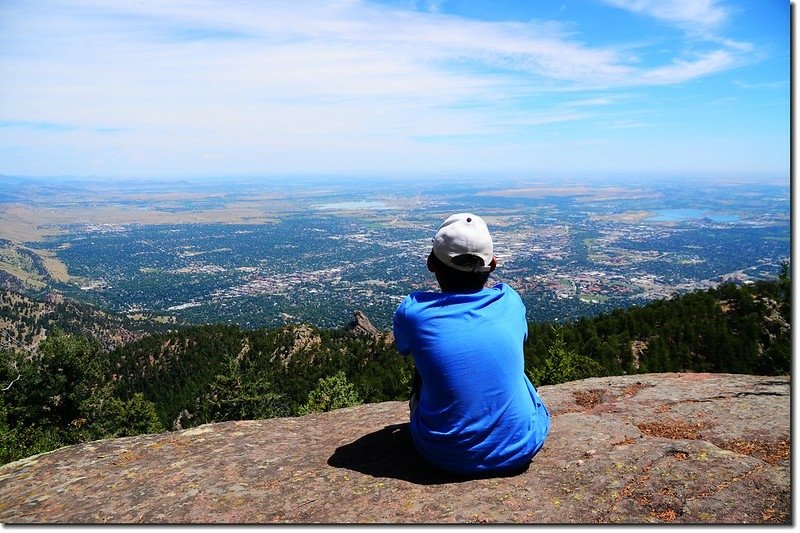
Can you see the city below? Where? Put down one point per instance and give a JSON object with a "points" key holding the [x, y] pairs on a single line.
{"points": [[266, 253]]}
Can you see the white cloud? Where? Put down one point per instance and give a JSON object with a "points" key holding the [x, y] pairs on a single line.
{"points": [[599, 101], [626, 124], [687, 13], [271, 82], [770, 85], [353, 39], [680, 70]]}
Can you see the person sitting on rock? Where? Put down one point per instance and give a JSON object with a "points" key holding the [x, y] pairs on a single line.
{"points": [[473, 409]]}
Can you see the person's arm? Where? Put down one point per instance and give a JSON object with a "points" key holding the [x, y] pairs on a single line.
{"points": [[400, 330], [522, 315]]}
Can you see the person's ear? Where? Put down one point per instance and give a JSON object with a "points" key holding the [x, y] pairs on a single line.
{"points": [[493, 264], [431, 263]]}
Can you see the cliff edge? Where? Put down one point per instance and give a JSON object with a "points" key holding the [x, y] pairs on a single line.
{"points": [[660, 448]]}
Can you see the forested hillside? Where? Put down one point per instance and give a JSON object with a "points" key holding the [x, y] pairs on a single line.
{"points": [[68, 389], [24, 321], [728, 329]]}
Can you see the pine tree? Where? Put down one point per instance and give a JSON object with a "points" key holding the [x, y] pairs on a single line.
{"points": [[333, 392]]}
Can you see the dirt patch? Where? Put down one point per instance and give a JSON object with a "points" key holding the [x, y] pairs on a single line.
{"points": [[633, 390], [589, 398], [668, 515], [672, 430], [771, 452]]}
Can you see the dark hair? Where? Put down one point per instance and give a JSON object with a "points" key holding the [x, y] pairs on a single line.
{"points": [[452, 280]]}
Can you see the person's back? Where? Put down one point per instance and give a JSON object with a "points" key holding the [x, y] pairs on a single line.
{"points": [[476, 411]]}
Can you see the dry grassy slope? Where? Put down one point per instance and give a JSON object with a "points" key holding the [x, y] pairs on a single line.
{"points": [[661, 448], [24, 321]]}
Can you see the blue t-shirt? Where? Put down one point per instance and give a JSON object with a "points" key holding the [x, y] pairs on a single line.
{"points": [[477, 411]]}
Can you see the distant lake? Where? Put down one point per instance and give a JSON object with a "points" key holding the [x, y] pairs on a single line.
{"points": [[345, 206], [676, 215]]}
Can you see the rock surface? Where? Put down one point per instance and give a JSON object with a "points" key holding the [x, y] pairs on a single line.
{"points": [[303, 337], [660, 448], [361, 326]]}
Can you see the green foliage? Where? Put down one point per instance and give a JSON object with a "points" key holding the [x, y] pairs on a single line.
{"points": [[60, 396], [213, 373], [108, 416], [20, 442], [563, 364], [728, 329], [174, 370], [333, 392], [240, 395]]}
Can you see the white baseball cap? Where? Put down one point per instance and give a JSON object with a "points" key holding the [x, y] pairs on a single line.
{"points": [[464, 233]]}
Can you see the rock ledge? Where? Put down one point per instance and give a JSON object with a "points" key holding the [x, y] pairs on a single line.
{"points": [[660, 448]]}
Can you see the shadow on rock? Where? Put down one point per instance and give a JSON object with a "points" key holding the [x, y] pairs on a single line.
{"points": [[390, 452]]}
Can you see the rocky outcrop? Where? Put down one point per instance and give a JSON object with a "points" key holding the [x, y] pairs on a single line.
{"points": [[361, 326], [660, 448], [774, 323], [303, 337]]}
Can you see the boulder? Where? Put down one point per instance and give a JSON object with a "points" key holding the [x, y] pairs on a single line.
{"points": [[361, 326]]}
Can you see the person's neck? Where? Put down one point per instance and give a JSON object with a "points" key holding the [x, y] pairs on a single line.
{"points": [[451, 290]]}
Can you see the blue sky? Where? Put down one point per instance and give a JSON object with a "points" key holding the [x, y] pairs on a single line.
{"points": [[545, 88]]}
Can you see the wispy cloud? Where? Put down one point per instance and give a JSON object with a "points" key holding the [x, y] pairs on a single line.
{"points": [[626, 124], [707, 14], [766, 85], [591, 102], [270, 82], [338, 32], [681, 71]]}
